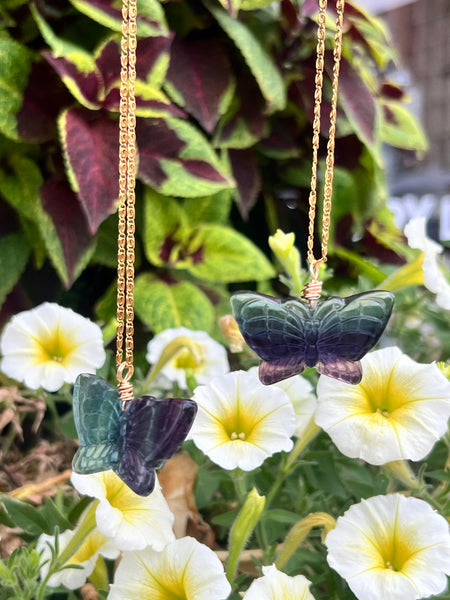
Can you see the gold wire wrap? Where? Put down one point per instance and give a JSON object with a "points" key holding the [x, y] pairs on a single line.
{"points": [[126, 211], [312, 288]]}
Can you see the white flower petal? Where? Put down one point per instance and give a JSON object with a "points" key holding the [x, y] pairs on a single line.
{"points": [[276, 585], [133, 522], [85, 557], [49, 345], [240, 422], [433, 277], [398, 411], [183, 569], [213, 356], [391, 547]]}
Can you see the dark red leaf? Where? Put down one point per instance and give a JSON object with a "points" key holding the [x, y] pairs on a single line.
{"points": [[246, 173], [149, 51], [201, 72], [89, 84], [251, 111], [156, 141], [202, 169], [357, 97], [43, 99], [65, 210], [392, 91], [92, 147], [112, 102]]}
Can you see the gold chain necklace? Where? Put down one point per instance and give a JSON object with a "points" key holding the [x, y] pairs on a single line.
{"points": [[126, 211], [313, 289], [331, 335]]}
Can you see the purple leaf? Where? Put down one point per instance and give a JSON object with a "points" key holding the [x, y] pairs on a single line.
{"points": [[250, 115], [90, 85], [201, 73], [246, 173], [91, 144], [36, 120], [356, 98], [149, 51], [62, 204], [157, 142]]}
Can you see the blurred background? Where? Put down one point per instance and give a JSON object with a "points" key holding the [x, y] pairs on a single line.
{"points": [[420, 186]]}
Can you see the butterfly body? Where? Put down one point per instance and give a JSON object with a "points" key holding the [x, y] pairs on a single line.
{"points": [[134, 441], [332, 335]]}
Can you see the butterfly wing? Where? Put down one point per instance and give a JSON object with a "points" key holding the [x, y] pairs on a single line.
{"points": [[348, 329], [152, 431], [274, 329], [96, 410]]}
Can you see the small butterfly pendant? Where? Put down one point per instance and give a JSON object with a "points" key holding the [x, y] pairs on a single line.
{"points": [[134, 441], [331, 335]]}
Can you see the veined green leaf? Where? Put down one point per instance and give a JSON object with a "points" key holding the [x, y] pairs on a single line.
{"points": [[259, 61], [15, 65], [225, 255], [162, 305], [21, 187], [151, 20], [165, 227], [401, 129], [14, 252]]}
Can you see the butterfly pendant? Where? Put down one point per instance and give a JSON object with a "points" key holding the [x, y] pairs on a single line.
{"points": [[332, 335], [134, 441]]}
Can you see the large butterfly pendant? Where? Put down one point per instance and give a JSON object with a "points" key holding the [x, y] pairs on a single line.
{"points": [[134, 441], [331, 335]]}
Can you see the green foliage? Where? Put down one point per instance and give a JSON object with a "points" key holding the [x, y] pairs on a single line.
{"points": [[222, 96]]}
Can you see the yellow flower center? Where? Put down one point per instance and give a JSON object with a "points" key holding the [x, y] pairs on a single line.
{"points": [[239, 425], [385, 397], [397, 555], [53, 347], [186, 359]]}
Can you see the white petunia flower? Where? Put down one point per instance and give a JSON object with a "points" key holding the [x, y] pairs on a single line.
{"points": [[49, 345], [397, 412], [185, 569], [303, 400], [433, 277], [240, 422], [198, 354], [276, 585], [391, 547], [85, 557], [131, 521]]}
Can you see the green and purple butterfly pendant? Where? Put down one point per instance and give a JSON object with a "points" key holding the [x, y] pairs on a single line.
{"points": [[331, 335], [136, 437]]}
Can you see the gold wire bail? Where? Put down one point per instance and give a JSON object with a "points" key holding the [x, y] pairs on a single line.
{"points": [[313, 288], [124, 384]]}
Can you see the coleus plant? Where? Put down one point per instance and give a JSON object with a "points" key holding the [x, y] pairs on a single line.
{"points": [[224, 97]]}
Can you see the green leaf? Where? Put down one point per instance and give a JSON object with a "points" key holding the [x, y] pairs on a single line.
{"points": [[54, 517], [259, 61], [14, 252], [161, 305], [225, 255], [23, 515], [151, 20], [15, 66], [212, 209], [177, 160], [401, 129], [165, 227], [20, 186]]}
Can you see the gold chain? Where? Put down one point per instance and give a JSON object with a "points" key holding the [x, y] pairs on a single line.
{"points": [[126, 212], [313, 289]]}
